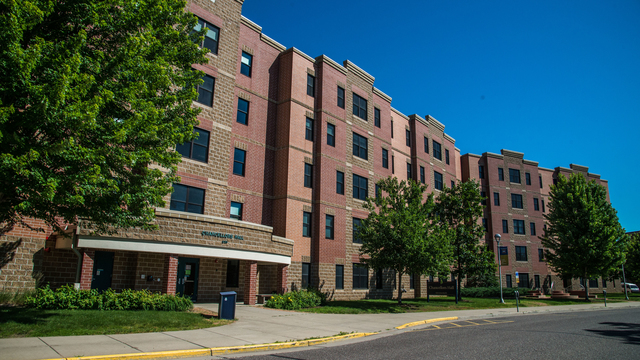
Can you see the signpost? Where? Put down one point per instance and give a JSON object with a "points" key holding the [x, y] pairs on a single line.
{"points": [[517, 280]]}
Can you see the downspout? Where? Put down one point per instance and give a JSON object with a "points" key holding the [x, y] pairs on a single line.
{"points": [[74, 248]]}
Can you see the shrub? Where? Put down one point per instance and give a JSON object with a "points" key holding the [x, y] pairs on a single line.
{"points": [[14, 297], [492, 292], [295, 300], [66, 297]]}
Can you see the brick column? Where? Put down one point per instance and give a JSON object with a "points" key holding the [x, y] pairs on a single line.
{"points": [[282, 278], [250, 277], [170, 274], [86, 276]]}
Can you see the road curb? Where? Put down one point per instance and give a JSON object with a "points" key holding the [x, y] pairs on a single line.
{"points": [[422, 322], [177, 354]]}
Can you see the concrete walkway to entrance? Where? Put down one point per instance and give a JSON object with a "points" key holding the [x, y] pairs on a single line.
{"points": [[255, 325]]}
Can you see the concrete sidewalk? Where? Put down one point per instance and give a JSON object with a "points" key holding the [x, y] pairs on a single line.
{"points": [[255, 325]]}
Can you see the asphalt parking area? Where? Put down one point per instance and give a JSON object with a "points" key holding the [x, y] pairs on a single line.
{"points": [[461, 324]]}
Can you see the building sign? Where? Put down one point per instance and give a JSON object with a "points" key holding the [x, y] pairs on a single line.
{"points": [[441, 288], [504, 256], [222, 235]]}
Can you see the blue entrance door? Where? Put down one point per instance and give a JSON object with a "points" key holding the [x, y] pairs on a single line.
{"points": [[102, 270], [188, 269]]}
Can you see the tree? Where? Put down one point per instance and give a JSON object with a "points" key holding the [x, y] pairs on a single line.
{"points": [[91, 94], [460, 208], [583, 237], [401, 233], [632, 264]]}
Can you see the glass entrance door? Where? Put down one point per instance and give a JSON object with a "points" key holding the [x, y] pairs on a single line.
{"points": [[187, 284]]}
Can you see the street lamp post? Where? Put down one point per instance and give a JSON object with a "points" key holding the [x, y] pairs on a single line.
{"points": [[497, 237]]}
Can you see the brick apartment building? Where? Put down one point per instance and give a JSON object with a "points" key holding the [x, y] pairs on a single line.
{"points": [[289, 147]]}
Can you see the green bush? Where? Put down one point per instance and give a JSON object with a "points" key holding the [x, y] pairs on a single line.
{"points": [[66, 298], [492, 292], [295, 300], [14, 297]]}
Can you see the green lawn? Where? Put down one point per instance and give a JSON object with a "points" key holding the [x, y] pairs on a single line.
{"points": [[23, 322], [443, 304]]}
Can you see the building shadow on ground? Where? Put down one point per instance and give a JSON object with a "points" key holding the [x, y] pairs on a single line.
{"points": [[629, 333]]}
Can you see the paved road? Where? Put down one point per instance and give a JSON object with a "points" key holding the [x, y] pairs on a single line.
{"points": [[613, 334]]}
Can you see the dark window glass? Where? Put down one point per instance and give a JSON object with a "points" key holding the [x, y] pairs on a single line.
{"points": [[239, 158], [437, 150], [532, 228], [340, 276], [360, 276], [196, 149], [542, 205], [505, 226], [210, 37], [496, 199], [481, 171], [527, 178], [422, 179], [306, 224], [305, 275], [500, 174], [378, 193], [536, 279], [544, 226], [360, 187], [379, 279], [426, 145], [521, 253], [483, 197], [331, 135], [453, 184], [393, 164], [376, 117], [360, 146], [328, 229], [484, 224], [524, 280], [412, 281], [359, 107], [540, 178], [205, 90], [233, 273], [408, 171], [536, 206], [246, 64], [385, 158], [235, 210], [446, 156], [437, 180], [308, 132], [540, 255], [308, 174], [340, 182], [340, 97], [509, 284], [392, 129], [407, 135], [187, 198], [356, 224], [311, 85], [518, 227], [514, 176], [516, 201], [243, 112]]}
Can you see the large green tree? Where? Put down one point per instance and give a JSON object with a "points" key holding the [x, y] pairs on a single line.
{"points": [[91, 94], [632, 264], [583, 237], [401, 233], [460, 208]]}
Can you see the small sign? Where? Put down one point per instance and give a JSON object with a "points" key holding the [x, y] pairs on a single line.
{"points": [[188, 267], [504, 256], [187, 272], [222, 235], [441, 288]]}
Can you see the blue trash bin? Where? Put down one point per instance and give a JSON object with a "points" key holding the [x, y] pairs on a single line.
{"points": [[227, 306]]}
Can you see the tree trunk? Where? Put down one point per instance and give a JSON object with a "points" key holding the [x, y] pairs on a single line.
{"points": [[586, 287], [399, 288], [458, 294]]}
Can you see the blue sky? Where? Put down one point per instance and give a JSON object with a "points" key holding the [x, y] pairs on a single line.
{"points": [[556, 80]]}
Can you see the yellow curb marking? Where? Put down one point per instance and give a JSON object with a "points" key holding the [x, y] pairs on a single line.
{"points": [[434, 327], [416, 323], [471, 322]]}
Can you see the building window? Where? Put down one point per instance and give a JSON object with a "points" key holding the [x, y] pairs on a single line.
{"points": [[379, 279], [412, 281], [540, 255], [514, 176], [524, 280], [360, 187], [593, 283], [408, 171], [484, 224], [311, 85], [437, 150], [527, 178], [233, 273], [509, 283], [496, 199], [453, 184], [239, 157], [407, 135], [521, 253], [540, 178], [505, 226], [437, 180], [536, 281], [306, 224], [481, 171], [331, 135], [308, 133], [356, 224], [377, 195], [187, 198], [340, 97], [339, 182], [360, 147], [422, 179], [376, 117], [536, 206], [393, 164], [205, 90], [340, 276], [305, 275], [210, 37], [360, 276], [385, 158], [246, 63], [243, 112], [500, 174], [518, 227], [516, 201], [328, 229], [308, 174], [483, 198], [235, 210], [532, 228], [446, 156], [544, 226], [392, 129], [196, 149], [542, 205], [359, 107], [426, 145]]}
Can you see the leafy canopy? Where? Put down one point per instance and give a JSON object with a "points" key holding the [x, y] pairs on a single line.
{"points": [[91, 94], [632, 264]]}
